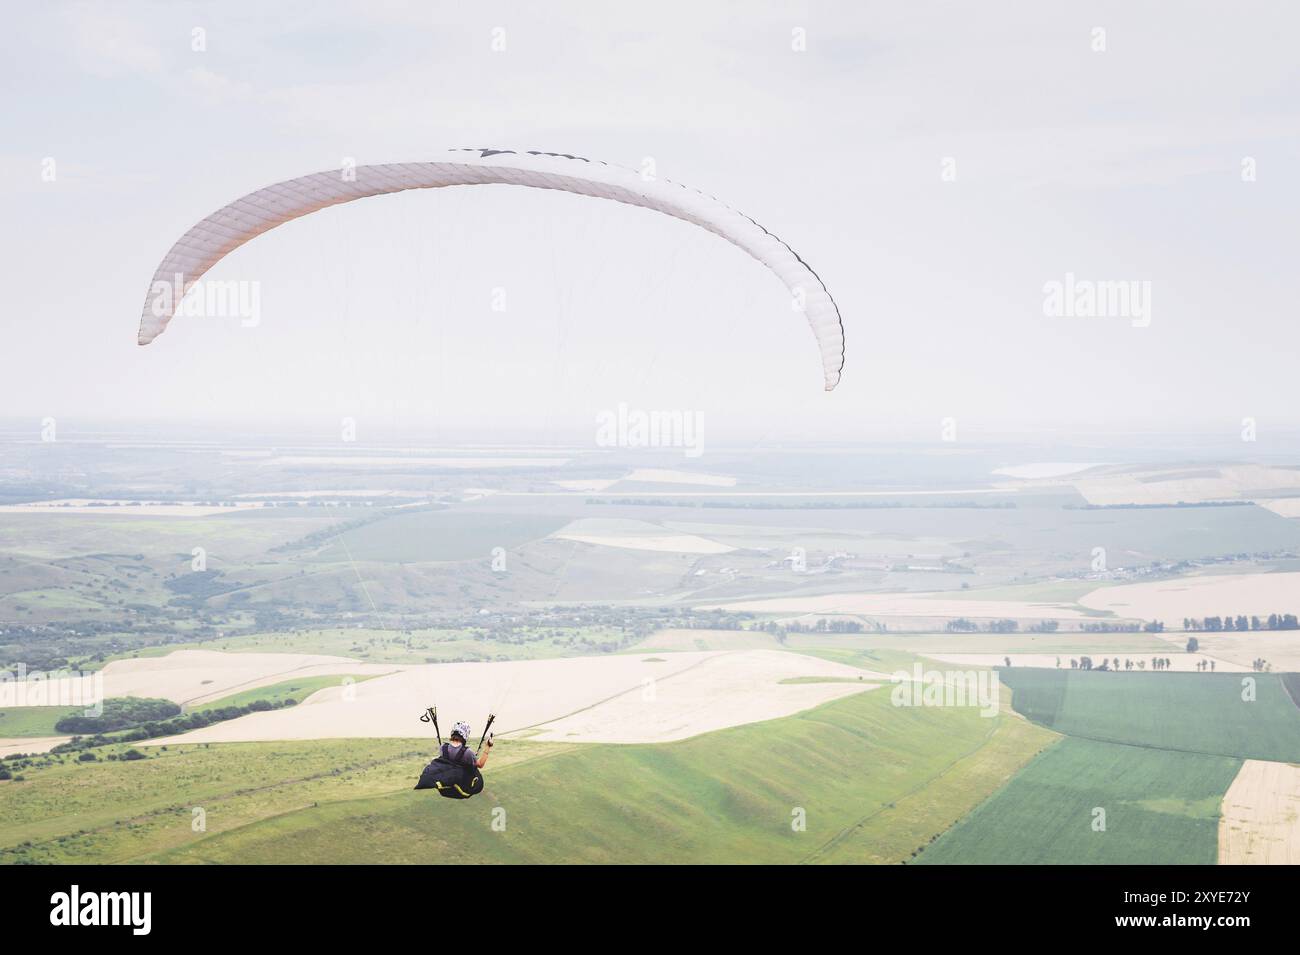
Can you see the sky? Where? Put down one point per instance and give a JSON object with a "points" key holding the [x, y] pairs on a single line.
{"points": [[940, 165]]}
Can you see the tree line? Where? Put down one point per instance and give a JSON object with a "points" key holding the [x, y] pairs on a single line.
{"points": [[1274, 621]]}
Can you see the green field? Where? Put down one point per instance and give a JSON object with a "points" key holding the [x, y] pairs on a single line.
{"points": [[126, 537], [50, 599], [1189, 712], [34, 720], [416, 536], [1155, 751], [875, 781], [281, 693], [1291, 683], [1161, 807]]}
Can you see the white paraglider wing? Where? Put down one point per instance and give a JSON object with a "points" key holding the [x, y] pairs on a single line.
{"points": [[227, 229]]}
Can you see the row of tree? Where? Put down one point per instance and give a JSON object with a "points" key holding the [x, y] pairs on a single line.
{"points": [[1086, 663], [1274, 621], [962, 625], [171, 727], [823, 625]]}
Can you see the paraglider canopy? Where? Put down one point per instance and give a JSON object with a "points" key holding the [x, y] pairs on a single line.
{"points": [[227, 229]]}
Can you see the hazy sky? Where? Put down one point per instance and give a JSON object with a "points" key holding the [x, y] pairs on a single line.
{"points": [[1123, 164]]}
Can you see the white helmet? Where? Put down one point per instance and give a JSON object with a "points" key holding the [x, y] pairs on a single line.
{"points": [[462, 730]]}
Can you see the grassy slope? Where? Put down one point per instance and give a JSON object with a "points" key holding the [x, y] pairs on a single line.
{"points": [[34, 720], [920, 816], [875, 781], [1190, 712], [119, 811], [1161, 807]]}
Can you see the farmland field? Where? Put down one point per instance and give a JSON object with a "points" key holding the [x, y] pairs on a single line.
{"points": [[281, 693], [1260, 820], [415, 536], [1160, 806], [1202, 596], [1156, 752], [1291, 683], [32, 720], [1189, 712]]}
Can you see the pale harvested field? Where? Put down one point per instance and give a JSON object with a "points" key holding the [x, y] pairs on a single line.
{"points": [[729, 689], [30, 744], [1204, 596], [676, 639], [1180, 661], [1043, 469], [596, 484], [944, 492], [637, 535], [1280, 648], [383, 461], [373, 492], [666, 476], [724, 690], [919, 606], [1186, 484], [184, 676], [1282, 506], [667, 543], [1260, 820]]}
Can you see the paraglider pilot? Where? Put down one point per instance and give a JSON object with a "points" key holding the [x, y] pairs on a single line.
{"points": [[456, 750], [454, 772]]}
